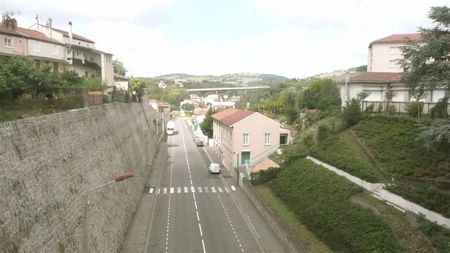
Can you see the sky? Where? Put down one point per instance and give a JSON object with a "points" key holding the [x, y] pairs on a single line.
{"points": [[292, 38]]}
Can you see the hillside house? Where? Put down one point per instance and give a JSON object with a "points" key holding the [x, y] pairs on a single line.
{"points": [[244, 137], [384, 76]]}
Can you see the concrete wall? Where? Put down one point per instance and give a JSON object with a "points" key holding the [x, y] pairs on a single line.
{"points": [[47, 163]]}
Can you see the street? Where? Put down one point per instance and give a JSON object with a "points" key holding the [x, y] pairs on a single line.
{"points": [[196, 211]]}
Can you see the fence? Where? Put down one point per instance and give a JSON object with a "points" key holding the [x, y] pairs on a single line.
{"points": [[396, 107]]}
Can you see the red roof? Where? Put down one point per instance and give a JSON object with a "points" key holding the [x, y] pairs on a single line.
{"points": [[32, 34], [231, 116], [376, 77], [399, 38]]}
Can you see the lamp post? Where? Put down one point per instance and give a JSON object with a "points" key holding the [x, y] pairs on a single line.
{"points": [[118, 178]]}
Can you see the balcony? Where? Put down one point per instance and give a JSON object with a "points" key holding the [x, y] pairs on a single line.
{"points": [[86, 63]]}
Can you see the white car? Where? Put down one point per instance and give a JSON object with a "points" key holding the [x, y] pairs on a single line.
{"points": [[214, 168]]}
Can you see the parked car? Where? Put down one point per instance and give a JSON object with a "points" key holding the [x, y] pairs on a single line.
{"points": [[214, 168], [199, 142]]}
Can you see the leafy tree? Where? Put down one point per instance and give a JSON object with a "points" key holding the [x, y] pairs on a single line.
{"points": [[207, 124], [137, 86], [188, 107], [321, 94], [119, 68], [428, 65]]}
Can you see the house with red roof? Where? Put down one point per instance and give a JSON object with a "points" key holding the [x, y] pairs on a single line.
{"points": [[383, 76], [244, 137], [22, 42]]}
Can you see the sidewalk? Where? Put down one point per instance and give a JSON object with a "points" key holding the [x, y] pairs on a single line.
{"points": [[138, 232]]}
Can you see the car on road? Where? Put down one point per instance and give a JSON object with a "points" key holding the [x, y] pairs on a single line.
{"points": [[214, 168], [199, 142]]}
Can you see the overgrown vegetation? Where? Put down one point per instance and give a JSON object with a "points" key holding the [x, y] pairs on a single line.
{"points": [[439, 236], [306, 189]]}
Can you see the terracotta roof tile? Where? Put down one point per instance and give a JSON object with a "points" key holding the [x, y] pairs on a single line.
{"points": [[32, 34], [376, 77], [231, 116], [399, 38]]}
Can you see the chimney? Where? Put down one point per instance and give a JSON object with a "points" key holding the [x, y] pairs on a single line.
{"points": [[50, 27], [70, 31]]}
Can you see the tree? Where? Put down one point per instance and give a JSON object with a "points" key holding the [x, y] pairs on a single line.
{"points": [[321, 94], [428, 65], [207, 124], [119, 68], [188, 107], [137, 86]]}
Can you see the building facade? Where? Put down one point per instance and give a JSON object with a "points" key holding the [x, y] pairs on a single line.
{"points": [[244, 137]]}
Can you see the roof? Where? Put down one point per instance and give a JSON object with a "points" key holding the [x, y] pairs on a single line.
{"points": [[32, 34], [28, 33], [74, 35], [200, 111], [399, 38], [376, 77], [231, 116], [265, 164]]}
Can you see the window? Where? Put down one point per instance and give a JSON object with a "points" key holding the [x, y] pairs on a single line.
{"points": [[245, 139], [7, 41], [267, 139], [55, 50], [36, 46], [392, 63], [395, 50]]}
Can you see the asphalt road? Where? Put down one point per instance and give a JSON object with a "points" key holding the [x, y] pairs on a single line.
{"points": [[195, 211]]}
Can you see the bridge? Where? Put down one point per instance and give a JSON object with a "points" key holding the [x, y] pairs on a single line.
{"points": [[230, 88]]}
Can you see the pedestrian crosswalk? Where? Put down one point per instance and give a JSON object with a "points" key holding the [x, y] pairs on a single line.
{"points": [[191, 189]]}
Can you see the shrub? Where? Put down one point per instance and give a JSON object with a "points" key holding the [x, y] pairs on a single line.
{"points": [[440, 109], [352, 112], [414, 109], [264, 176]]}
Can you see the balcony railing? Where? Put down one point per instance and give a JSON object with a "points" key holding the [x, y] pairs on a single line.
{"points": [[87, 63]]}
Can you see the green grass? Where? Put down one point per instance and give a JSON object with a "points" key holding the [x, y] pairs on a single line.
{"points": [[321, 200], [313, 243], [393, 142], [439, 236], [344, 152]]}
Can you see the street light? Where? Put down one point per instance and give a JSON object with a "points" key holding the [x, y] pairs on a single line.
{"points": [[118, 178]]}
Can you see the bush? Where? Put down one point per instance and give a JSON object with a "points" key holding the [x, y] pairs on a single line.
{"points": [[440, 109], [414, 109], [352, 112], [320, 199], [264, 176]]}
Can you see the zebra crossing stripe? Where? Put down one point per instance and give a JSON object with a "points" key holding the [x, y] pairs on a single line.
{"points": [[187, 189]]}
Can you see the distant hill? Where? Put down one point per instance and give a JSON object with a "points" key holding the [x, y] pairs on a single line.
{"points": [[238, 79], [338, 75]]}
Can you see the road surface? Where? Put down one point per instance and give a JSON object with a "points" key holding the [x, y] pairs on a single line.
{"points": [[195, 211]]}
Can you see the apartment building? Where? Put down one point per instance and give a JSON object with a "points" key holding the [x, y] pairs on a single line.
{"points": [[384, 73], [22, 42], [80, 53]]}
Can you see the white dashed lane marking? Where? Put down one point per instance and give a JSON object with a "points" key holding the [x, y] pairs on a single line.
{"points": [[191, 189]]}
